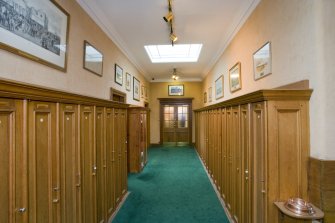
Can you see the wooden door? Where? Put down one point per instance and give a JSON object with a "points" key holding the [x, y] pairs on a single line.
{"points": [[101, 164], [176, 124], [110, 157], [44, 172], [70, 164], [13, 159], [88, 164], [245, 149], [259, 165]]}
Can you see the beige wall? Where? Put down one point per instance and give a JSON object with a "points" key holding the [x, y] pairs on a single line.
{"points": [[302, 34], [76, 79], [160, 90]]}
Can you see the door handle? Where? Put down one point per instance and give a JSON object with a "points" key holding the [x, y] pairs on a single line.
{"points": [[21, 210]]}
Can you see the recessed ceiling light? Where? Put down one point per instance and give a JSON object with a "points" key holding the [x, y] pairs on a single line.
{"points": [[173, 54]]}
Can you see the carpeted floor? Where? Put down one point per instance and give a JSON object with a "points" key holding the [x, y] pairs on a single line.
{"points": [[172, 188]]}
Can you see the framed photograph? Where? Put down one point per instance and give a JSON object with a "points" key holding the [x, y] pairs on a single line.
{"points": [[262, 61], [35, 29], [219, 87], [142, 91], [146, 93], [136, 89], [210, 94], [205, 97], [93, 59], [128, 80], [118, 75], [235, 77], [176, 90]]}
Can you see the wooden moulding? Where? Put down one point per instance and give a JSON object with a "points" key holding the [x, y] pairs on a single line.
{"points": [[264, 95], [10, 89]]}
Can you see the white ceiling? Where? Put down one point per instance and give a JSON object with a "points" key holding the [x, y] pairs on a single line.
{"points": [[131, 24]]}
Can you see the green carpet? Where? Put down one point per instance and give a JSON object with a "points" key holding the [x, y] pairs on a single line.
{"points": [[172, 188]]}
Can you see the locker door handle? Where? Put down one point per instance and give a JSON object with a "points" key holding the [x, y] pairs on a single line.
{"points": [[55, 201], [21, 210]]}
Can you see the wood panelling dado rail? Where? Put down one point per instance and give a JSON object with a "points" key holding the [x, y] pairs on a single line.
{"points": [[256, 149], [63, 156]]}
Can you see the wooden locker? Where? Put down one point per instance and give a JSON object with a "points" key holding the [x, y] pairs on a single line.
{"points": [[100, 164], [44, 169], [224, 163], [219, 148], [246, 160], [88, 164], [117, 147], [124, 155], [110, 157], [214, 145], [229, 166], [70, 163], [13, 159]]}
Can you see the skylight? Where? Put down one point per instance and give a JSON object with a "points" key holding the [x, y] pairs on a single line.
{"points": [[176, 53]]}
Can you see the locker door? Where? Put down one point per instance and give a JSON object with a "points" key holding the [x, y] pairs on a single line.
{"points": [[224, 155], [123, 147], [13, 159], [88, 160], [43, 171], [229, 178], [70, 164], [117, 141], [110, 180], [101, 164]]}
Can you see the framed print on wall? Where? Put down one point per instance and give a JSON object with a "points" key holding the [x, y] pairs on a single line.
{"points": [[136, 89], [93, 59], [142, 91], [35, 29], [235, 77], [210, 94], [118, 75], [128, 80], [176, 90], [219, 87], [262, 61], [205, 97]]}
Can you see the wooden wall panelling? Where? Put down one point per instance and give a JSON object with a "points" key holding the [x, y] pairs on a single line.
{"points": [[224, 164], [13, 159], [44, 172], [100, 132], [288, 134], [88, 165], [110, 157], [70, 163], [259, 152], [246, 160]]}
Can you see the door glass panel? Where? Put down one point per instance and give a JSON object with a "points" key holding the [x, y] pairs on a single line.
{"points": [[183, 116]]}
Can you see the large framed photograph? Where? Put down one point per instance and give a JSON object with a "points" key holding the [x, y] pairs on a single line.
{"points": [[35, 29], [118, 75], [128, 80], [235, 77], [219, 87], [136, 89], [93, 59], [176, 90], [262, 61]]}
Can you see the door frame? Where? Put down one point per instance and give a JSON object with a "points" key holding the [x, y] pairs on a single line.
{"points": [[175, 101]]}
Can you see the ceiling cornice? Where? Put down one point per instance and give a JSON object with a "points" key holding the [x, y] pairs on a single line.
{"points": [[234, 28], [101, 20], [178, 81]]}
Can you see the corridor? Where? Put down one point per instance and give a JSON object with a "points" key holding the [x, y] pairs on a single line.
{"points": [[172, 188]]}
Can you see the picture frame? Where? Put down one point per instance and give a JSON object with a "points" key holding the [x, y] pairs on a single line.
{"points": [[92, 59], [262, 61], [118, 75], [42, 36], [146, 93], [235, 77], [210, 94], [128, 81], [219, 91], [136, 89], [176, 90], [142, 91], [205, 97]]}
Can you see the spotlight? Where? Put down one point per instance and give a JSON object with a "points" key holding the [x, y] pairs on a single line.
{"points": [[173, 37], [168, 17]]}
